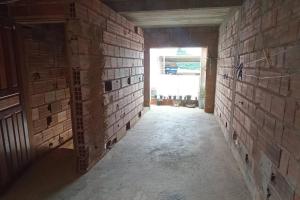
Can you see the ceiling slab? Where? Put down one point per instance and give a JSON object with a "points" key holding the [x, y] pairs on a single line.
{"points": [[179, 18], [149, 5]]}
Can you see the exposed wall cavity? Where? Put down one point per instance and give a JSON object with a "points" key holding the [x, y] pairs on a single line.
{"points": [[48, 86], [258, 95]]}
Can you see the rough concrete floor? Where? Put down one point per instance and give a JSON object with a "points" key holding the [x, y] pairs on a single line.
{"points": [[171, 154]]}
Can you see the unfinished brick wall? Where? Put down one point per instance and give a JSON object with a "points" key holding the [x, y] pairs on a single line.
{"points": [[106, 57], [259, 115], [49, 93]]}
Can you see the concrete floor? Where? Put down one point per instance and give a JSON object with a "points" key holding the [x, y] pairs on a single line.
{"points": [[171, 154]]}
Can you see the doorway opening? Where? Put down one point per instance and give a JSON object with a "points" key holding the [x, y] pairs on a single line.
{"points": [[48, 84], [177, 76], [35, 111], [46, 79]]}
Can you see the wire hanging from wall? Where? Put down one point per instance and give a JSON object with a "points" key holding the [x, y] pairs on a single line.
{"points": [[267, 57], [270, 77], [262, 58], [239, 71]]}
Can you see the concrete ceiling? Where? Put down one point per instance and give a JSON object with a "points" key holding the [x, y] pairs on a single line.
{"points": [[174, 13], [149, 5], [178, 17]]}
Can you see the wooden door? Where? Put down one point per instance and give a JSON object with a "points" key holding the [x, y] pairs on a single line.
{"points": [[14, 138]]}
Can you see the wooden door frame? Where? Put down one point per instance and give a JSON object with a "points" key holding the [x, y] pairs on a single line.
{"points": [[16, 90], [21, 70], [23, 83]]}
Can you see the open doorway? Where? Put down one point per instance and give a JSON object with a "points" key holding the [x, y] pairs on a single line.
{"points": [[46, 83], [35, 111], [177, 76]]}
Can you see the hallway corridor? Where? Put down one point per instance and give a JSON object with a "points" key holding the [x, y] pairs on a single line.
{"points": [[171, 154]]}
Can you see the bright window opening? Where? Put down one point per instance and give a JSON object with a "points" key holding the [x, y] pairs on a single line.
{"points": [[177, 76]]}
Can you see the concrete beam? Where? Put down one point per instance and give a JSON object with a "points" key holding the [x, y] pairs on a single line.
{"points": [[149, 5]]}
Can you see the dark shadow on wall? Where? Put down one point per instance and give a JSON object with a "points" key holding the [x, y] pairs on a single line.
{"points": [[45, 177]]}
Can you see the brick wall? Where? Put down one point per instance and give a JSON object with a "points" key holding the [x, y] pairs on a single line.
{"points": [[260, 116], [49, 94], [106, 57]]}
